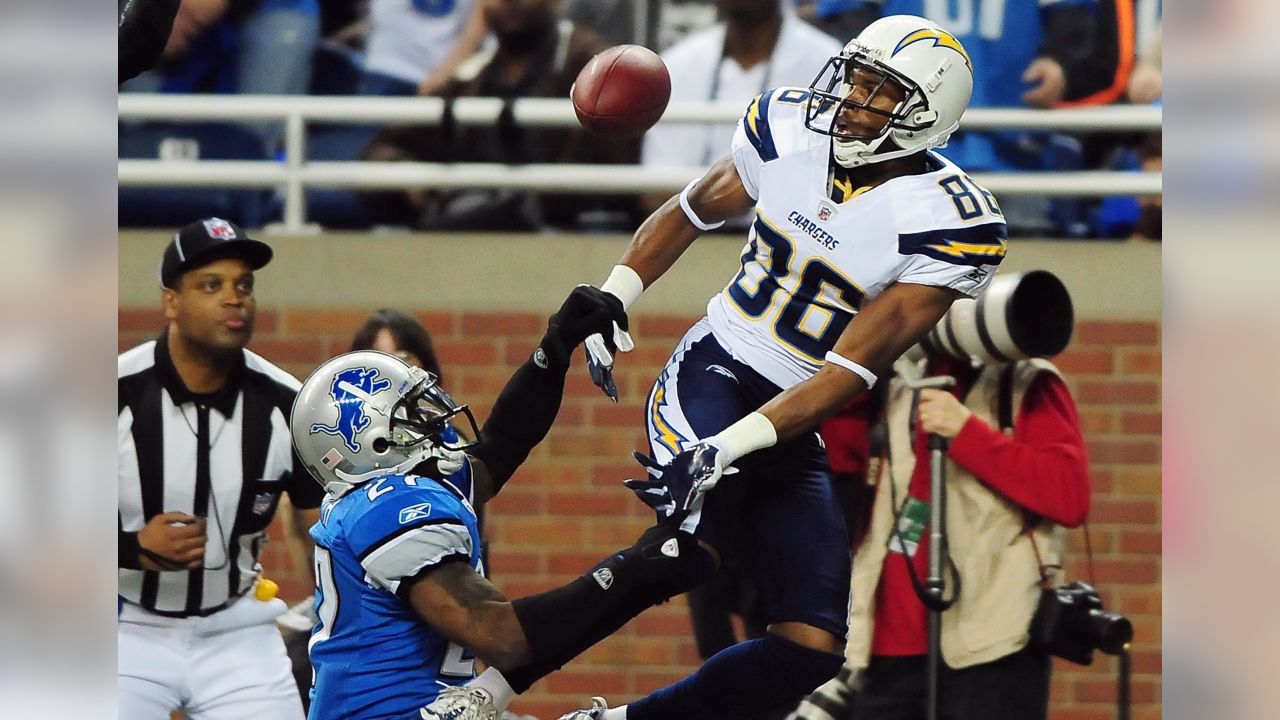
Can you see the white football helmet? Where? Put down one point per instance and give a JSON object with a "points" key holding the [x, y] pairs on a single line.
{"points": [[930, 67], [367, 413]]}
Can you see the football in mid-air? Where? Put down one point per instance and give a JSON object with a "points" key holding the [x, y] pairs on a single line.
{"points": [[621, 92]]}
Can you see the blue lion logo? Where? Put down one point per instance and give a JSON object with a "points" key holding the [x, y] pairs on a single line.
{"points": [[351, 415]]}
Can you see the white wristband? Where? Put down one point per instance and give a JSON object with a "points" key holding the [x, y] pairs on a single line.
{"points": [[852, 366], [751, 433], [624, 284], [688, 211]]}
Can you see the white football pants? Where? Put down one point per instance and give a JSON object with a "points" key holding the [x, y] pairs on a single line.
{"points": [[228, 666]]}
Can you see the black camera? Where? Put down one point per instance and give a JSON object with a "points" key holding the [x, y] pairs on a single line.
{"points": [[1070, 623]]}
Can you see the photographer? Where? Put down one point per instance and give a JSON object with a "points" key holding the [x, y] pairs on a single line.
{"points": [[1016, 473]]}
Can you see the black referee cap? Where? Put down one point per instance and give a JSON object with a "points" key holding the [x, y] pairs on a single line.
{"points": [[204, 241]]}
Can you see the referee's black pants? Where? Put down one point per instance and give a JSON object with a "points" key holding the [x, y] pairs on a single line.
{"points": [[1014, 687]]}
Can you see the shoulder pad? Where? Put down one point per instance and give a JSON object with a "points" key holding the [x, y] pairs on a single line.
{"points": [[774, 121]]}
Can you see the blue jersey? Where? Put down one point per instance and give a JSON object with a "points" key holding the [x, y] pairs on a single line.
{"points": [[1002, 37], [374, 657]]}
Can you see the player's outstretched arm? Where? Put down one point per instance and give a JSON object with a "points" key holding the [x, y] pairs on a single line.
{"points": [[876, 336], [661, 239], [664, 236], [528, 405], [469, 610], [874, 339]]}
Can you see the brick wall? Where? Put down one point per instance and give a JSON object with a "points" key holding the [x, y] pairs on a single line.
{"points": [[565, 508]]}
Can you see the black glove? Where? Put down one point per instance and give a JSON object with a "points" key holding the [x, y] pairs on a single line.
{"points": [[679, 487], [588, 310]]}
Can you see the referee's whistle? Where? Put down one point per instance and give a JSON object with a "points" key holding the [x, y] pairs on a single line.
{"points": [[266, 589]]}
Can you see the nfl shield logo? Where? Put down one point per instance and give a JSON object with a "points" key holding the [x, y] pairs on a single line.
{"points": [[220, 229], [824, 212]]}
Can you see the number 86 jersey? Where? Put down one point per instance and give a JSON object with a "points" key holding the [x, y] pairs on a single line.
{"points": [[811, 262]]}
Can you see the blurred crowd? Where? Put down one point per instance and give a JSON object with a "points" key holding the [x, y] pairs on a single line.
{"points": [[1026, 53]]}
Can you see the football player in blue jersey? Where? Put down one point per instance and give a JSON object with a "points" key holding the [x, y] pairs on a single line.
{"points": [[402, 601]]}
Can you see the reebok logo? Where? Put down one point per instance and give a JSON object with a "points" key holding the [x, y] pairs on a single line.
{"points": [[415, 512], [603, 578]]}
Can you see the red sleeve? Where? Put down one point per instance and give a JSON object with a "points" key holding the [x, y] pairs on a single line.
{"points": [[847, 435], [1043, 467]]}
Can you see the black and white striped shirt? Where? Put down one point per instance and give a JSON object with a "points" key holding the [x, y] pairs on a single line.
{"points": [[226, 456]]}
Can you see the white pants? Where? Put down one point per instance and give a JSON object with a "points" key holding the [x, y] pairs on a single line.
{"points": [[228, 666]]}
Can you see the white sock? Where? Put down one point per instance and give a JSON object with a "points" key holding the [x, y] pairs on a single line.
{"points": [[492, 681], [618, 713]]}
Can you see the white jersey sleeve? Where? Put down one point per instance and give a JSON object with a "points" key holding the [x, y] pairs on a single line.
{"points": [[771, 127], [748, 155], [956, 237]]}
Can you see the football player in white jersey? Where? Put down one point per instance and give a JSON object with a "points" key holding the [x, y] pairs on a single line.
{"points": [[863, 237]]}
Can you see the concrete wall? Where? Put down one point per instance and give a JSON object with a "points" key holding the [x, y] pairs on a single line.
{"points": [[534, 272]]}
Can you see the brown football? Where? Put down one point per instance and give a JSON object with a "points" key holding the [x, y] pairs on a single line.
{"points": [[621, 92]]}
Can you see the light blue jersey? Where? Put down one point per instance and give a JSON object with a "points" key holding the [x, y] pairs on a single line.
{"points": [[1002, 37], [374, 657]]}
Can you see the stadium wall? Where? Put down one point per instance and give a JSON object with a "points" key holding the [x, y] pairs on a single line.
{"points": [[485, 300]]}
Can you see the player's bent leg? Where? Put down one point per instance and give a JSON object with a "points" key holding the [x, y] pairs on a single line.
{"points": [[148, 675], [244, 673], [560, 624], [758, 678]]}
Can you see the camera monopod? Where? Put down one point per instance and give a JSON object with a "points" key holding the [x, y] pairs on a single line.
{"points": [[934, 596]]}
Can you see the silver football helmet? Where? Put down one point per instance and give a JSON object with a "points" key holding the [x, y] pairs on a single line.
{"points": [[926, 65], [367, 413]]}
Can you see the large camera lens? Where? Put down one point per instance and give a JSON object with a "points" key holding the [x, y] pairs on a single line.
{"points": [[1109, 632], [1021, 315]]}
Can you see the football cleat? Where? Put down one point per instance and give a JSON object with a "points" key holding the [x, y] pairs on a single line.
{"points": [[461, 703], [595, 712]]}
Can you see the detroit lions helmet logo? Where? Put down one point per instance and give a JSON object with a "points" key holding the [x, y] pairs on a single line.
{"points": [[352, 417]]}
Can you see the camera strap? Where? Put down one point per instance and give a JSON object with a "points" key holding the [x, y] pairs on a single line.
{"points": [[1044, 569], [897, 533]]}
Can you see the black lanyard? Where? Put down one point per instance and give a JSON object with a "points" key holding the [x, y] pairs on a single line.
{"points": [[714, 93]]}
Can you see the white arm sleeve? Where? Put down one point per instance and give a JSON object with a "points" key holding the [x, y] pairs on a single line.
{"points": [[409, 553]]}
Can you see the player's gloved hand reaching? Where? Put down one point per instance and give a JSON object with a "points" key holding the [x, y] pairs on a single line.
{"points": [[588, 311], [680, 486], [600, 354]]}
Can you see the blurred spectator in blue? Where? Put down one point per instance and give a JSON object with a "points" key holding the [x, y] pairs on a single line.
{"points": [[843, 19], [1035, 53], [1135, 218], [238, 46], [414, 46], [538, 54], [758, 45]]}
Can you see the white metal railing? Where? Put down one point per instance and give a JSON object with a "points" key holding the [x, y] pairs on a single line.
{"points": [[295, 174]]}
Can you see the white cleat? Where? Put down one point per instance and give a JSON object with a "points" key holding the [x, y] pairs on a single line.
{"points": [[461, 703], [595, 712]]}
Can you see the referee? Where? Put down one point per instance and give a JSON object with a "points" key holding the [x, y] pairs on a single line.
{"points": [[204, 455]]}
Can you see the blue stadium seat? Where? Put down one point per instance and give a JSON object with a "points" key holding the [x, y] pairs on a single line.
{"points": [[173, 207]]}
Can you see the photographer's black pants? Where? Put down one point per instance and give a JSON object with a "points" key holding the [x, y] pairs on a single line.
{"points": [[1014, 687]]}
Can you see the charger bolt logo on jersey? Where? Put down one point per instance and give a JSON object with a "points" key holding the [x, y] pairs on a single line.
{"points": [[351, 389]]}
